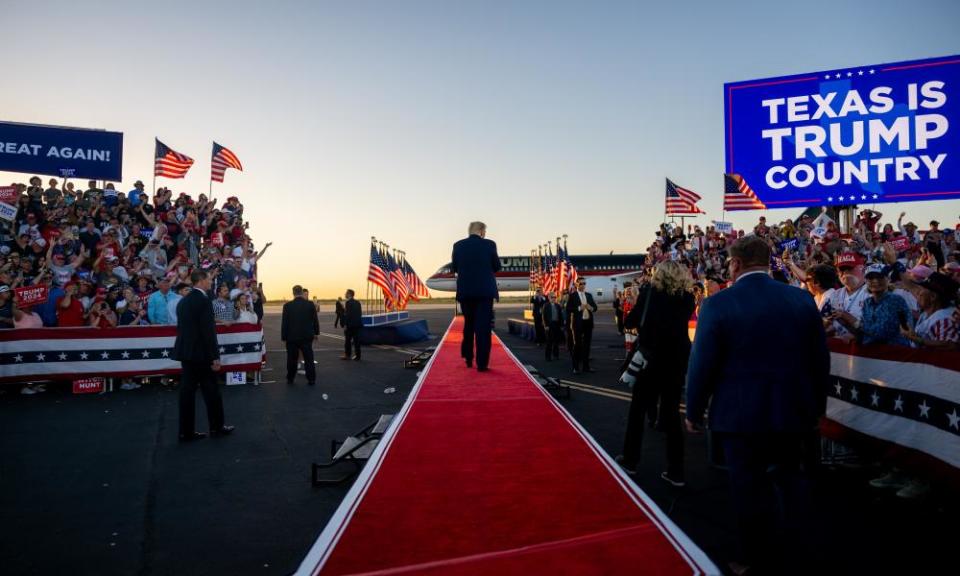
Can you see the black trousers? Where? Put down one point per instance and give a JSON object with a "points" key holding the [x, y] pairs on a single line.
{"points": [[771, 498], [351, 341], [619, 315], [199, 375], [554, 335], [653, 385], [304, 347], [582, 337], [539, 329], [477, 316]]}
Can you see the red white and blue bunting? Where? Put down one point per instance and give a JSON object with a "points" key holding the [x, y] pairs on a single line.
{"points": [[68, 353]]}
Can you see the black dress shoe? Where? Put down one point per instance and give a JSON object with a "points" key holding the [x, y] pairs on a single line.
{"points": [[356, 358], [589, 370], [469, 363], [482, 369], [289, 381], [311, 383], [575, 371], [192, 437], [222, 431]]}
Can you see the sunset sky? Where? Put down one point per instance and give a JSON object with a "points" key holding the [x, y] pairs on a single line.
{"points": [[407, 120]]}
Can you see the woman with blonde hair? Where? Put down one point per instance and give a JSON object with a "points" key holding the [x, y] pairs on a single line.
{"points": [[658, 363]]}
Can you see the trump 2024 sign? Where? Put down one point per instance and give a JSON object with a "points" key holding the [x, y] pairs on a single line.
{"points": [[867, 134]]}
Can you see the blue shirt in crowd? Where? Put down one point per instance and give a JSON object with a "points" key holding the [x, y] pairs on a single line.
{"points": [[882, 319]]}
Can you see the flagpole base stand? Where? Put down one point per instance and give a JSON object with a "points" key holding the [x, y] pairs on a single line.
{"points": [[394, 333], [385, 318]]}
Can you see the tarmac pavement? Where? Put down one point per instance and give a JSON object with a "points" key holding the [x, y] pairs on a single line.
{"points": [[100, 485]]}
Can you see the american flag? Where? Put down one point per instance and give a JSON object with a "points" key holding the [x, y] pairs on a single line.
{"points": [[417, 288], [572, 275], [549, 276], [538, 272], [563, 275], [170, 164], [222, 159], [737, 194], [681, 201], [400, 287], [378, 273]]}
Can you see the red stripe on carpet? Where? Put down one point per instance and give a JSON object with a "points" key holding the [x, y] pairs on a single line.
{"points": [[485, 474]]}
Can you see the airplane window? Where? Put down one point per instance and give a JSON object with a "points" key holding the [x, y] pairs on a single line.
{"points": [[600, 292]]}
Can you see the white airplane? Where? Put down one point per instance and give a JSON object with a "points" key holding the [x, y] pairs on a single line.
{"points": [[603, 273]]}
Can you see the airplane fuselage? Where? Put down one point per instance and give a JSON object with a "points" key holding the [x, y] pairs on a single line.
{"points": [[603, 273]]}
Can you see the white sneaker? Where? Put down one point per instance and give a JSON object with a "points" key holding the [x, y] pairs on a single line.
{"points": [[892, 479], [914, 490], [668, 479], [129, 386], [28, 390]]}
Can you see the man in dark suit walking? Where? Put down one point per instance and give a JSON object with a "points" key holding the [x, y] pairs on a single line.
{"points": [[299, 327], [760, 358], [475, 262], [199, 354], [538, 301], [580, 309], [553, 319], [352, 323]]}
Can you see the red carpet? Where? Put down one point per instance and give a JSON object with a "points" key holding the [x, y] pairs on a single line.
{"points": [[483, 473]]}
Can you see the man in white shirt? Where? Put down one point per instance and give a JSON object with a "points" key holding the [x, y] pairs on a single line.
{"points": [[851, 297], [580, 310]]}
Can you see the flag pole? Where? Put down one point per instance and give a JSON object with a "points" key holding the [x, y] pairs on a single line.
{"points": [[559, 268], [210, 188], [373, 240]]}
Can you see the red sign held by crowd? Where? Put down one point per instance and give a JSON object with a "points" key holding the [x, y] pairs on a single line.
{"points": [[88, 386], [217, 239], [30, 295], [900, 243], [8, 194]]}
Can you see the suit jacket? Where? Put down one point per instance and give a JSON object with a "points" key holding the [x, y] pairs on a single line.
{"points": [[475, 262], [552, 313], [196, 333], [665, 330], [299, 321], [761, 354], [354, 314], [573, 308], [539, 303]]}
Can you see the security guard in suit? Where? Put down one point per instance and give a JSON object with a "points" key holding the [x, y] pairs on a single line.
{"points": [[199, 354], [299, 327], [581, 309]]}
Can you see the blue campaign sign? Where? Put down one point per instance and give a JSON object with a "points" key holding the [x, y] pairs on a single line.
{"points": [[57, 151], [868, 134]]}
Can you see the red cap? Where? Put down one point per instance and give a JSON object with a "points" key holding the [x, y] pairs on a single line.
{"points": [[849, 260]]}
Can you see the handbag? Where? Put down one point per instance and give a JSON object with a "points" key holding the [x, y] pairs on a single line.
{"points": [[640, 357]]}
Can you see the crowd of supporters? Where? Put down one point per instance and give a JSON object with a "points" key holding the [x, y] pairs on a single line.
{"points": [[882, 283], [110, 258]]}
